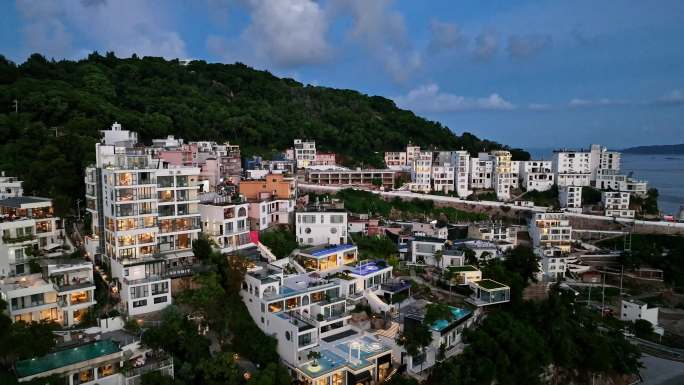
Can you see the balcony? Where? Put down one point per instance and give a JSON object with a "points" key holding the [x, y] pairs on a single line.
{"points": [[18, 239]]}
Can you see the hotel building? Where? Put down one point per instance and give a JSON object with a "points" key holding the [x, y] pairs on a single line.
{"points": [[551, 230]]}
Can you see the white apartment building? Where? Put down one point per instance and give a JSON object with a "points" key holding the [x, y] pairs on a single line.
{"points": [[551, 230], [421, 173], [502, 177], [572, 168], [226, 224], [536, 175], [315, 226], [304, 311], [634, 309], [602, 159], [10, 186], [570, 198], [616, 204], [481, 171], [443, 172], [395, 160], [493, 231], [28, 228], [145, 218], [552, 263], [62, 293], [304, 153], [267, 213], [613, 180], [422, 250], [462, 173]]}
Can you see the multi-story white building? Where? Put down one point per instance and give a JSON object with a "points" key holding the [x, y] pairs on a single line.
{"points": [[421, 172], [616, 204], [536, 175], [462, 173], [304, 153], [634, 309], [552, 263], [503, 177], [481, 171], [493, 231], [422, 250], [602, 159], [10, 186], [62, 293], [551, 230], [613, 180], [443, 172], [572, 168], [145, 218], [570, 198], [267, 213], [226, 224], [395, 160], [28, 228], [316, 226]]}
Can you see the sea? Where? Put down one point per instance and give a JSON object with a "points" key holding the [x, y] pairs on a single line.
{"points": [[664, 172]]}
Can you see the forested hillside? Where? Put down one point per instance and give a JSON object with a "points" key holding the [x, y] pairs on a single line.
{"points": [[62, 106]]}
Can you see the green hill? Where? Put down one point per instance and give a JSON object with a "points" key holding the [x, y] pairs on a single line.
{"points": [[62, 105]]}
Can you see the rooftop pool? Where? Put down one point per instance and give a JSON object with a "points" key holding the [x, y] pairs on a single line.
{"points": [[65, 357], [368, 268], [458, 314]]}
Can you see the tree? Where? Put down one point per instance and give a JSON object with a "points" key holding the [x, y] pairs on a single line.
{"points": [[315, 356], [437, 311], [281, 241], [201, 248], [642, 328], [524, 261], [415, 337]]}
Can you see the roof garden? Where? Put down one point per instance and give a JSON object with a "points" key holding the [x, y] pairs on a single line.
{"points": [[66, 357], [490, 284], [462, 269]]}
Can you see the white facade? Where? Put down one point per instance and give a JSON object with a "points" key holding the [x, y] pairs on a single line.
{"points": [[536, 175], [462, 173], [321, 227], [495, 232], [572, 168], [226, 224], [481, 170], [570, 197], [632, 310], [304, 153], [422, 250], [268, 213], [552, 263], [10, 186], [551, 230], [63, 294], [421, 173], [613, 180], [616, 204], [503, 178], [28, 227]]}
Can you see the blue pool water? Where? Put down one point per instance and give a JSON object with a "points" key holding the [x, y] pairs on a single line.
{"points": [[458, 314]]}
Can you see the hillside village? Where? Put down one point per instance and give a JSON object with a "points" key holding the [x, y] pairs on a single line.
{"points": [[341, 275]]}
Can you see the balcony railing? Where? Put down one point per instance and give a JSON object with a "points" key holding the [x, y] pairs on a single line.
{"points": [[18, 239]]}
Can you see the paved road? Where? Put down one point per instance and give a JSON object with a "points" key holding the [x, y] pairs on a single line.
{"points": [[658, 371]]}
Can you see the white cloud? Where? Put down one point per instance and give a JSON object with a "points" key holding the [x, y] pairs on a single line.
{"points": [[382, 31], [521, 46], [672, 97], [596, 102], [445, 36], [428, 98], [123, 26], [486, 45]]}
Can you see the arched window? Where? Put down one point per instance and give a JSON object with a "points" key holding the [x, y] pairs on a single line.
{"points": [[305, 300]]}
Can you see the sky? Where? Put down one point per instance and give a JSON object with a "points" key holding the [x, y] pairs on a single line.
{"points": [[532, 74]]}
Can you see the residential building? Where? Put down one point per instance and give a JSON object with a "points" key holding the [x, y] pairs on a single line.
{"points": [[496, 232], [62, 293], [502, 177], [29, 228], [10, 186], [109, 358], [304, 153], [488, 292], [279, 165], [272, 186], [634, 309], [552, 263], [616, 204], [464, 275], [481, 171], [412, 153], [462, 173], [316, 225], [570, 198], [341, 176], [572, 168], [421, 173], [613, 180], [267, 213], [422, 250], [602, 159], [325, 159], [395, 160], [536, 175], [145, 218], [443, 174], [226, 224], [551, 230], [483, 250], [324, 258]]}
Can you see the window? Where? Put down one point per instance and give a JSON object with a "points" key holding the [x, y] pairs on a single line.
{"points": [[139, 291], [336, 218], [160, 288], [161, 299], [333, 230], [142, 302]]}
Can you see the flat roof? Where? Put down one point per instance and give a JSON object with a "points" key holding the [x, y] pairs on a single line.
{"points": [[463, 268], [17, 202], [490, 284], [321, 251], [64, 358], [429, 239]]}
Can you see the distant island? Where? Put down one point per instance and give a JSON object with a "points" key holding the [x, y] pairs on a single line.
{"points": [[665, 149]]}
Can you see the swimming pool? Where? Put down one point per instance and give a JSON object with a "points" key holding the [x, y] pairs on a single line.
{"points": [[458, 314], [65, 357]]}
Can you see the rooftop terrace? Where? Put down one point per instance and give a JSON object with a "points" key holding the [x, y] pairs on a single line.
{"points": [[66, 357]]}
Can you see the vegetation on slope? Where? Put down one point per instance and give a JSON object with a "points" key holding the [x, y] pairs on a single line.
{"points": [[63, 105]]}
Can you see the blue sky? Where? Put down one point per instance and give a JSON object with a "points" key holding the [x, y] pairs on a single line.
{"points": [[526, 73]]}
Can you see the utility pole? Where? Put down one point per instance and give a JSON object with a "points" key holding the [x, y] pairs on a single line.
{"points": [[16, 106], [603, 295], [622, 271], [78, 209]]}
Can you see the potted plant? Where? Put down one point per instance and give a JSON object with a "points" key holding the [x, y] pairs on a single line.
{"points": [[314, 355]]}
